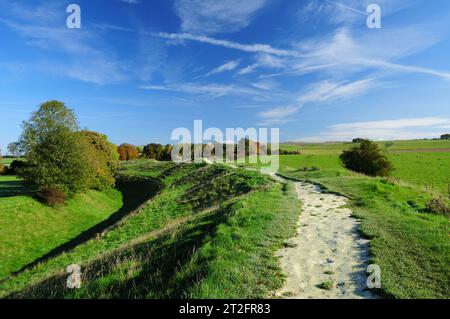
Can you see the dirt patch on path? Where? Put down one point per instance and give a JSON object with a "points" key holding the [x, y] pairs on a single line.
{"points": [[327, 248]]}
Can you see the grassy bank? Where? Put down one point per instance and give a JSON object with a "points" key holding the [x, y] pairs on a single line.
{"points": [[210, 232], [29, 229]]}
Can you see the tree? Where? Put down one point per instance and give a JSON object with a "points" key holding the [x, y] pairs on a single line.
{"points": [[445, 137], [2, 167], [103, 156], [128, 152], [366, 158], [158, 152], [358, 140], [56, 157]]}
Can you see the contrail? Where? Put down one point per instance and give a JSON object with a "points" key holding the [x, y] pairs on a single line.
{"points": [[347, 7]]}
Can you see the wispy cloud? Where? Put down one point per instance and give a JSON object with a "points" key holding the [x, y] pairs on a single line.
{"points": [[327, 91], [347, 12], [321, 92], [212, 16], [130, 1], [399, 129], [347, 52], [278, 115], [82, 59], [253, 48], [264, 60], [208, 90], [229, 66]]}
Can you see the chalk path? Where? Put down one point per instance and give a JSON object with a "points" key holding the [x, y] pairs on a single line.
{"points": [[327, 248]]}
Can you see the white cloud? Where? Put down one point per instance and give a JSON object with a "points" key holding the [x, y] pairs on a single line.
{"points": [[436, 122], [212, 16], [327, 91], [82, 59], [131, 1], [346, 12], [265, 85], [385, 130], [278, 115], [344, 52], [247, 70], [229, 66], [252, 48], [209, 90], [264, 60]]}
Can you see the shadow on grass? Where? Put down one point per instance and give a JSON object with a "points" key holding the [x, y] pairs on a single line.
{"points": [[145, 270], [135, 192], [16, 187]]}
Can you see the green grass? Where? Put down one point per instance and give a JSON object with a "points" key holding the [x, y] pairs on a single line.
{"points": [[333, 148], [29, 229], [177, 246], [428, 171], [327, 285]]}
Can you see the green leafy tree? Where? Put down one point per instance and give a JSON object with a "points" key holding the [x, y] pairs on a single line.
{"points": [[445, 137], [366, 158], [103, 156], [56, 157]]}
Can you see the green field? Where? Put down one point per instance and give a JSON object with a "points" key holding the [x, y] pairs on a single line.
{"points": [[422, 164], [210, 232], [394, 146], [29, 229]]}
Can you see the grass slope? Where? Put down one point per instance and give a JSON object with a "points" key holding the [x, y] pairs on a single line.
{"points": [[29, 229], [210, 232]]}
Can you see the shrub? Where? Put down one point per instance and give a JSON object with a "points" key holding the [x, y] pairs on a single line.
{"points": [[16, 167], [438, 206], [52, 196], [366, 158], [104, 158], [128, 152]]}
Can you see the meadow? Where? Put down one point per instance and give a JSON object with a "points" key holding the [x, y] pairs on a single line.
{"points": [[423, 164], [389, 146]]}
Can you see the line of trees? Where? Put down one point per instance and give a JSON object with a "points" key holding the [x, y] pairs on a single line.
{"points": [[60, 159]]}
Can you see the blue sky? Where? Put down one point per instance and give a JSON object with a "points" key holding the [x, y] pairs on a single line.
{"points": [[138, 69]]}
